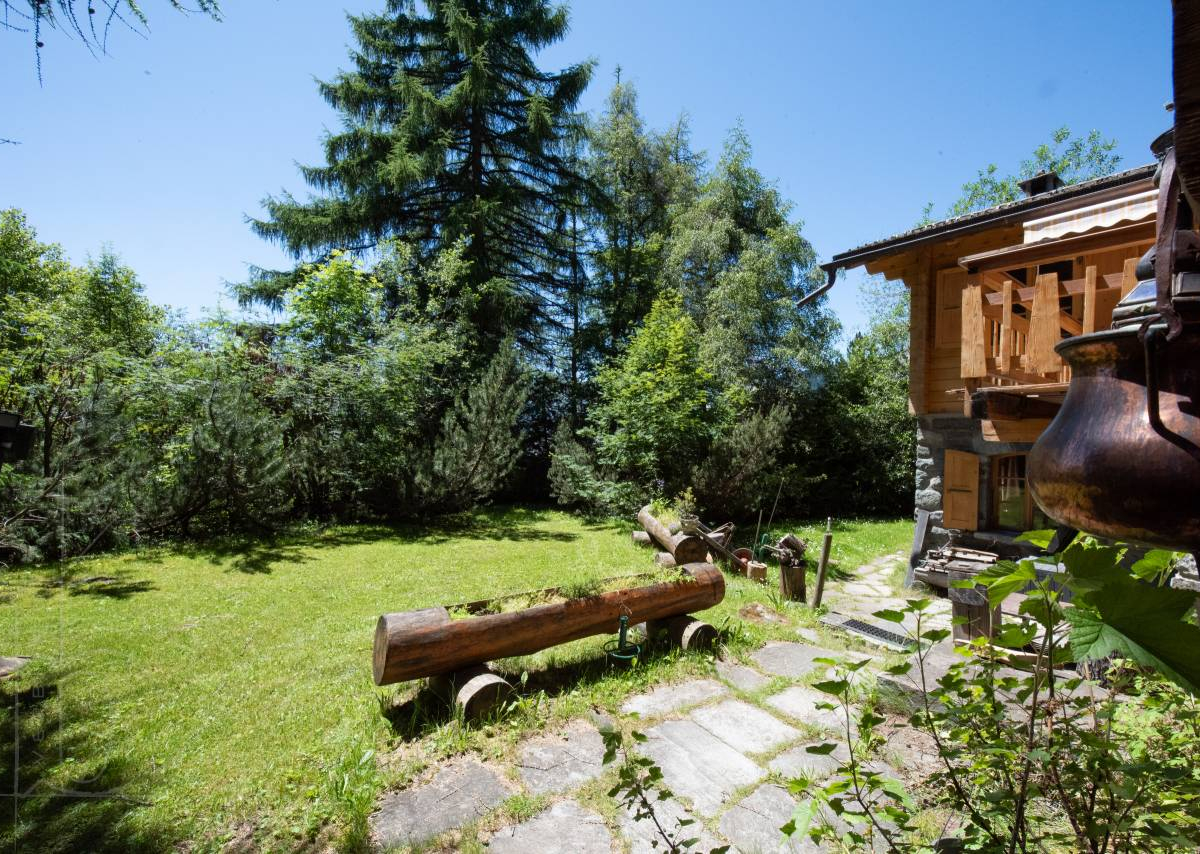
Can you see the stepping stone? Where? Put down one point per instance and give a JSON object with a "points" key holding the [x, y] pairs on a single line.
{"points": [[559, 763], [740, 676], [938, 659], [458, 794], [744, 727], [565, 828], [670, 698], [801, 704], [644, 837], [697, 765], [753, 824], [783, 658], [809, 635], [798, 762]]}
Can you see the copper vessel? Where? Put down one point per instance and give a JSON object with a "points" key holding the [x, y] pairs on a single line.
{"points": [[1122, 457]]}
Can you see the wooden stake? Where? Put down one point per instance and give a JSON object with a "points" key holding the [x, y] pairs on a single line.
{"points": [[821, 567]]}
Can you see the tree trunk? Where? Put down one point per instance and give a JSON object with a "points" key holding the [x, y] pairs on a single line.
{"points": [[413, 644]]}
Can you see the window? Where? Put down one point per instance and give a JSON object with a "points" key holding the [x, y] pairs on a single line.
{"points": [[1012, 504]]}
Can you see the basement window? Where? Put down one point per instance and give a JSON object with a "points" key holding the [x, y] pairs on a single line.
{"points": [[1012, 503]]}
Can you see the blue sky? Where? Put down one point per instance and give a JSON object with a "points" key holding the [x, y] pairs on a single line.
{"points": [[861, 111]]}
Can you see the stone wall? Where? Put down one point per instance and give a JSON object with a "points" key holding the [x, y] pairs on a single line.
{"points": [[936, 434]]}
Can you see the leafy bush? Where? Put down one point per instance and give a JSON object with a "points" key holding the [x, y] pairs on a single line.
{"points": [[1035, 761]]}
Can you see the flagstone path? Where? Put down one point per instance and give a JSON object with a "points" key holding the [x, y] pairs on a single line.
{"points": [[726, 745]]}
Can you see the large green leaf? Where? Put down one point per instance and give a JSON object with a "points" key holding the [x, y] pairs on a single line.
{"points": [[1142, 623]]}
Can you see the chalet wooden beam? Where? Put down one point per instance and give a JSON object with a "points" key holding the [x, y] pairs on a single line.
{"points": [[1044, 328], [1045, 251], [973, 355], [1020, 432], [1089, 300], [1069, 288], [1000, 405]]}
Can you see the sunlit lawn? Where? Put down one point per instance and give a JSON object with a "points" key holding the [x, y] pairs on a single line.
{"points": [[207, 689]]}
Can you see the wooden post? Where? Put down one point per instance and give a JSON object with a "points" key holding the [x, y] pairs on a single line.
{"points": [[1089, 300], [973, 361], [1044, 327], [1128, 276], [821, 567], [1003, 360]]}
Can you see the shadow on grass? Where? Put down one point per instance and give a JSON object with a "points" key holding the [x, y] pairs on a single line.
{"points": [[260, 555], [425, 711], [61, 794]]}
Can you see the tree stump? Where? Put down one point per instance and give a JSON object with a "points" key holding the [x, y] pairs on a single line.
{"points": [[792, 581], [757, 571], [477, 690]]}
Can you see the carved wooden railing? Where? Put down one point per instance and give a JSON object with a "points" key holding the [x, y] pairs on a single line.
{"points": [[1004, 345]]}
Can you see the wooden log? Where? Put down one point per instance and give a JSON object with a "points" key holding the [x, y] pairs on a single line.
{"points": [[664, 559], [476, 691], [409, 648], [641, 538], [685, 548], [756, 571], [824, 563], [685, 632], [792, 580]]}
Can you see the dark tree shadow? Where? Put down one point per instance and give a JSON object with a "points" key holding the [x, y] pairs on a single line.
{"points": [[422, 711], [60, 793]]}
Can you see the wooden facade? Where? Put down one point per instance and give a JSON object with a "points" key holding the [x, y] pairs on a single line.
{"points": [[992, 294]]}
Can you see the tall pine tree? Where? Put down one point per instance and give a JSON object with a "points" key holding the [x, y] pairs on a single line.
{"points": [[451, 134]]}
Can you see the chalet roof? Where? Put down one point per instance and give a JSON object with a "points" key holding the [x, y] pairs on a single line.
{"points": [[1062, 198]]}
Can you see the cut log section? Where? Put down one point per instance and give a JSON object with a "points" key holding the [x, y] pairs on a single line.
{"points": [[685, 632], [685, 548], [413, 644], [477, 691], [641, 538], [665, 560]]}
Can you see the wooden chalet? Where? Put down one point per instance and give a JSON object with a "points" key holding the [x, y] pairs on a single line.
{"points": [[992, 293]]}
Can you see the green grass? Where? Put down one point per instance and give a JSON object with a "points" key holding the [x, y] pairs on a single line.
{"points": [[226, 688]]}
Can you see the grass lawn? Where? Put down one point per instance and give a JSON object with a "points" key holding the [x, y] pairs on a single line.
{"points": [[211, 690]]}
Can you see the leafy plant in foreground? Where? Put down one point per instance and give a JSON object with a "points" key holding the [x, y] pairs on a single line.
{"points": [[1038, 760], [640, 786]]}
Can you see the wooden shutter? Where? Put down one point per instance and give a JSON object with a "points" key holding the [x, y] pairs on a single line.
{"points": [[960, 491]]}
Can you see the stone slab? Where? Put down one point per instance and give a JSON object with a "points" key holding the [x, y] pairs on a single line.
{"points": [[745, 728], [643, 835], [753, 824], [801, 704], [697, 765], [672, 698], [740, 676], [565, 828], [458, 794], [798, 762], [562, 762], [793, 660]]}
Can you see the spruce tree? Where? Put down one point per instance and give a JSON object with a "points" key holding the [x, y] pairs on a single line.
{"points": [[451, 133]]}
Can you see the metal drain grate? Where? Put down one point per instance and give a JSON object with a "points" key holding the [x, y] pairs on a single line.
{"points": [[870, 632]]}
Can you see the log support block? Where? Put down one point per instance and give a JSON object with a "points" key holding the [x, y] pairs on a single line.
{"points": [[685, 632], [475, 691], [641, 538], [792, 582], [664, 560]]}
